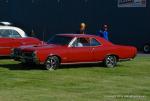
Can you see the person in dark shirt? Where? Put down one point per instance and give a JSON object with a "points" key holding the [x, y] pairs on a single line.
{"points": [[82, 29]]}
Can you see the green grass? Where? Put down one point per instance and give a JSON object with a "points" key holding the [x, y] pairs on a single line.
{"points": [[130, 81]]}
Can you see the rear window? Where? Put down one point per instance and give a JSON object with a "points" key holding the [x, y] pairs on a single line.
{"points": [[94, 42]]}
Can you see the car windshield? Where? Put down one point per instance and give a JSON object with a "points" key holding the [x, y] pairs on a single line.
{"points": [[60, 40]]}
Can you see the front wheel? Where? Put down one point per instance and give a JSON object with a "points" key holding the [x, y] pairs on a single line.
{"points": [[110, 61], [52, 63]]}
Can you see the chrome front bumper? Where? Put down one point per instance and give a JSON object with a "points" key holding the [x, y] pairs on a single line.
{"points": [[24, 57]]}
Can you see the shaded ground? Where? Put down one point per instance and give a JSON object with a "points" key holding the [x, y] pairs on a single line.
{"points": [[142, 54]]}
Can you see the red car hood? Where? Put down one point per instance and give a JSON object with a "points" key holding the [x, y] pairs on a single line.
{"points": [[30, 48]]}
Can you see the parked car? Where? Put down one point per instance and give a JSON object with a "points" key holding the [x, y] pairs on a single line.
{"points": [[146, 47], [75, 49], [12, 37]]}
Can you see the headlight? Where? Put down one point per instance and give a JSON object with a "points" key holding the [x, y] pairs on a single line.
{"points": [[12, 49]]}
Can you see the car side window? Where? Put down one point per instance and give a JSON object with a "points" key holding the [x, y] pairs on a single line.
{"points": [[8, 33], [14, 34], [0, 33], [4, 33], [81, 42], [94, 42]]}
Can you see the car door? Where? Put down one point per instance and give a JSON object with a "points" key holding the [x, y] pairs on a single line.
{"points": [[7, 42], [80, 51], [98, 50]]}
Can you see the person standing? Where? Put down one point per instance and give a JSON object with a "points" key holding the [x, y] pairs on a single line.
{"points": [[104, 32], [82, 29]]}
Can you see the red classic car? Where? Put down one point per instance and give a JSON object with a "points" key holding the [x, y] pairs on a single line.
{"points": [[13, 37], [75, 49]]}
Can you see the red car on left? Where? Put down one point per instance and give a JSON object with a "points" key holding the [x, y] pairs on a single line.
{"points": [[12, 37]]}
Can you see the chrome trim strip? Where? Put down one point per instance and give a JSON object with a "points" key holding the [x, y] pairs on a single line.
{"points": [[5, 47], [81, 63], [128, 59]]}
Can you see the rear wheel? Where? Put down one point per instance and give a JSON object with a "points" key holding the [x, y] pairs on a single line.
{"points": [[52, 63], [146, 48], [110, 61]]}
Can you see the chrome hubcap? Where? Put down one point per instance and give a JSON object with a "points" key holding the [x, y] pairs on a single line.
{"points": [[110, 61], [51, 64], [146, 48]]}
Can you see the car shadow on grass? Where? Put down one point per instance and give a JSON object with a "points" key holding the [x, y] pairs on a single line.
{"points": [[21, 67], [100, 65], [41, 67]]}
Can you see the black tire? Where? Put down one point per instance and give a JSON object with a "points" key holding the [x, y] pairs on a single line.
{"points": [[146, 48], [52, 63], [110, 61]]}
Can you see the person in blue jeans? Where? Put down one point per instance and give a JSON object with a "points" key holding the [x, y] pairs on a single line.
{"points": [[104, 32]]}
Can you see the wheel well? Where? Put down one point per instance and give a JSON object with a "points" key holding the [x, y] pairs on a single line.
{"points": [[117, 57], [56, 56]]}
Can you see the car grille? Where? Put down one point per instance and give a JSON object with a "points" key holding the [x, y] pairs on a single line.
{"points": [[27, 54]]}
